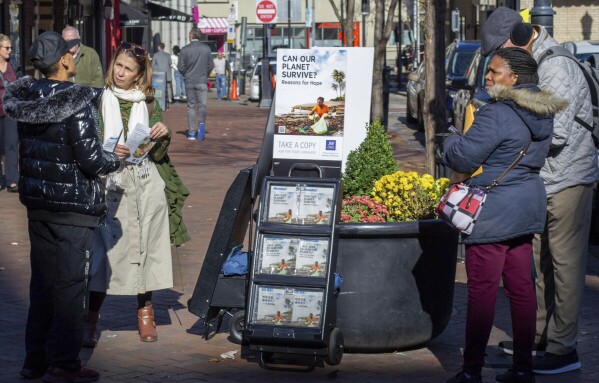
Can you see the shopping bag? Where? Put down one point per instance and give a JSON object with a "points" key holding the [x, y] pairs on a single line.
{"points": [[460, 206]]}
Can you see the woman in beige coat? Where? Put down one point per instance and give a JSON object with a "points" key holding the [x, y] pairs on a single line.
{"points": [[132, 254]]}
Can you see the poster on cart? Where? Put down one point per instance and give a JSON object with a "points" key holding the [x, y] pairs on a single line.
{"points": [[322, 102]]}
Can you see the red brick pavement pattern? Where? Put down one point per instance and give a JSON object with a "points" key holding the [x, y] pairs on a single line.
{"points": [[233, 136]]}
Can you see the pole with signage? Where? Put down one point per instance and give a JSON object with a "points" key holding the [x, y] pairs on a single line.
{"points": [[455, 23], [266, 13]]}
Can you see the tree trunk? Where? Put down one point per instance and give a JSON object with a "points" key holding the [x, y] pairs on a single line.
{"points": [[434, 93], [347, 21], [382, 31]]}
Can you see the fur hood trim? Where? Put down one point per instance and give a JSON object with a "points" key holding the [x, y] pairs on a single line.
{"points": [[542, 103], [50, 103]]}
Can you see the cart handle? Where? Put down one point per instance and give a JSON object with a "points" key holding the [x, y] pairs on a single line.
{"points": [[305, 166]]}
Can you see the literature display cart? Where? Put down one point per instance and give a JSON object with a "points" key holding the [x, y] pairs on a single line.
{"points": [[291, 306]]}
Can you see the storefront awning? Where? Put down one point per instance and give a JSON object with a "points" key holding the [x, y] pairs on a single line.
{"points": [[213, 25], [160, 12], [131, 17]]}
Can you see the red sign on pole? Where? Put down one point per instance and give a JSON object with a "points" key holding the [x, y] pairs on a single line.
{"points": [[266, 11]]}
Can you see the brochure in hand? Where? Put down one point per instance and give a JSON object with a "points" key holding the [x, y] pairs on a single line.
{"points": [[139, 143]]}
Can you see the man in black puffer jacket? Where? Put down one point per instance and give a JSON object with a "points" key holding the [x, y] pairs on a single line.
{"points": [[61, 157]]}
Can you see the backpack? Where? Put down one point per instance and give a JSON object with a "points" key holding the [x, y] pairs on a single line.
{"points": [[591, 74]]}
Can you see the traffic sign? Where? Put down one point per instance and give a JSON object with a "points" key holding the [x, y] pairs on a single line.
{"points": [[266, 11]]}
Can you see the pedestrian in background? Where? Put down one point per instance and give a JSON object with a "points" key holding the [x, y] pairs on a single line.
{"points": [[8, 127], [132, 254], [195, 64], [221, 68], [519, 119], [569, 174], [179, 81], [61, 157], [161, 62], [89, 67]]}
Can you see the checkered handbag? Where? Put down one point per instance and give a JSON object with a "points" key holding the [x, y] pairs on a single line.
{"points": [[461, 204]]}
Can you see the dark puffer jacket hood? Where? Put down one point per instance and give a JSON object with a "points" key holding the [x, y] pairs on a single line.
{"points": [[61, 154]]}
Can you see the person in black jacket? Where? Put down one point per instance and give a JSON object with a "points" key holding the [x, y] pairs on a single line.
{"points": [[61, 157]]}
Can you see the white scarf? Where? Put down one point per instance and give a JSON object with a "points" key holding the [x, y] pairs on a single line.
{"points": [[113, 121], [111, 112]]}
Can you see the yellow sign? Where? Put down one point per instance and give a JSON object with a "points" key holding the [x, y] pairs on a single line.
{"points": [[525, 13]]}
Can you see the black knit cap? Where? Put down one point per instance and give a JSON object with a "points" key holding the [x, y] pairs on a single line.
{"points": [[521, 34], [49, 48]]}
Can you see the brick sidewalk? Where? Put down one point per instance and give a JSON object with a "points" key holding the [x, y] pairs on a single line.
{"points": [[233, 137]]}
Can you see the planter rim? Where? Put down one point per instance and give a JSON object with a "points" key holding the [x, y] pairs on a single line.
{"points": [[366, 229]]}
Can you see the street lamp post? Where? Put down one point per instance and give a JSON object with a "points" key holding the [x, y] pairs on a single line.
{"points": [[365, 12], [265, 85], [289, 24], [542, 14]]}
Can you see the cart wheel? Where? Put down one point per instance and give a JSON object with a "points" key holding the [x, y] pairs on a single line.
{"points": [[335, 354], [236, 326]]}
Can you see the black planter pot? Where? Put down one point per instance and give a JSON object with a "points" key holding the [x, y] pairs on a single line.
{"points": [[398, 283]]}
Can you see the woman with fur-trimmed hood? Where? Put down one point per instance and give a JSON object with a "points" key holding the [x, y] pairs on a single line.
{"points": [[519, 114]]}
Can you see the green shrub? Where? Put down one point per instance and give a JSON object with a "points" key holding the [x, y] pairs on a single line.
{"points": [[369, 162]]}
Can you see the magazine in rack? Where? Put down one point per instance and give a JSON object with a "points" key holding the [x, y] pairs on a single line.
{"points": [[277, 255], [300, 204], [312, 257], [289, 255], [287, 306]]}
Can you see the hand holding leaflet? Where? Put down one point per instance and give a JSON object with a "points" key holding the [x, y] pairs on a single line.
{"points": [[139, 143], [111, 142]]}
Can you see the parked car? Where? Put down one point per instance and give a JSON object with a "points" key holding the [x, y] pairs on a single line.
{"points": [[458, 55], [415, 96], [464, 102], [256, 78], [582, 49]]}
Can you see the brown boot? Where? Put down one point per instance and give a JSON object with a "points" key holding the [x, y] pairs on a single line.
{"points": [[146, 325], [89, 329]]}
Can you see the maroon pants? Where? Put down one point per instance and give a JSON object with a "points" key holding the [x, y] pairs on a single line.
{"points": [[485, 264]]}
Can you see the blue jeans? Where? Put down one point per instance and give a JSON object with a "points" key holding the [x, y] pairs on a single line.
{"points": [[196, 104], [179, 85], [221, 86]]}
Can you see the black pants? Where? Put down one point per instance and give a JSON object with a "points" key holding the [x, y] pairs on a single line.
{"points": [[60, 258]]}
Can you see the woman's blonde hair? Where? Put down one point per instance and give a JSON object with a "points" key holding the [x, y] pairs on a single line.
{"points": [[5, 38], [144, 82]]}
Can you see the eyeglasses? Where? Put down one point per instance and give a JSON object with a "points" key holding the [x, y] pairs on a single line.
{"points": [[7, 48], [135, 49]]}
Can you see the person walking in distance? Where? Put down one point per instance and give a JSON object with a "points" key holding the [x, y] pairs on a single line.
{"points": [[221, 67], [179, 81], [89, 67], [569, 174], [161, 62], [8, 127], [61, 157], [195, 64]]}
